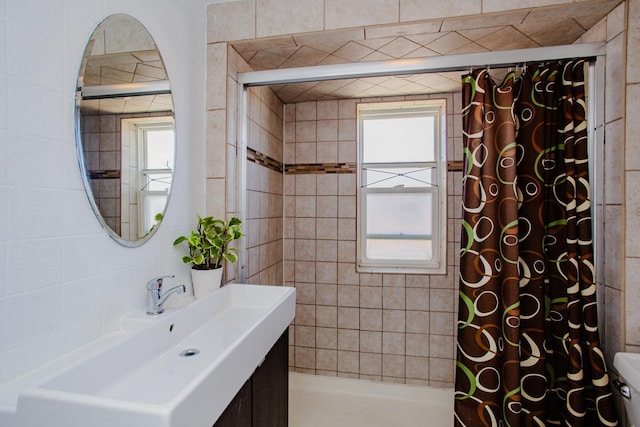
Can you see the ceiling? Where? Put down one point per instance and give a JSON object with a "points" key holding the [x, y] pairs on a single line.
{"points": [[124, 68], [520, 29]]}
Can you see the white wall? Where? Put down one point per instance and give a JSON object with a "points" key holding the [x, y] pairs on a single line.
{"points": [[63, 281]]}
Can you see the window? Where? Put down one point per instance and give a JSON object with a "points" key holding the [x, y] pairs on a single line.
{"points": [[149, 154], [402, 194]]}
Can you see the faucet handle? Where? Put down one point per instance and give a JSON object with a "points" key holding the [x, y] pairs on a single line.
{"points": [[156, 282]]}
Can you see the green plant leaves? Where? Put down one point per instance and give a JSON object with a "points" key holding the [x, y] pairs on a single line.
{"points": [[208, 245]]}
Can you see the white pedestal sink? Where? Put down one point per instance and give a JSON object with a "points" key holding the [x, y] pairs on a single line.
{"points": [[178, 369]]}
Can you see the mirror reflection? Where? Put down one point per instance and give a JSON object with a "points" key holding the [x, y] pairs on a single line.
{"points": [[125, 129]]}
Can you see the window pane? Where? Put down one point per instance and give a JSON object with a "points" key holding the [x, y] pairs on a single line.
{"points": [[156, 181], [409, 250], [160, 150], [377, 177], [398, 139], [399, 214], [399, 226]]}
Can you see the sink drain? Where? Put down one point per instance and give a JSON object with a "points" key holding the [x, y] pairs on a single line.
{"points": [[189, 352]]}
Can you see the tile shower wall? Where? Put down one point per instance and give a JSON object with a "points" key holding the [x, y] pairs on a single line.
{"points": [[264, 165], [386, 327], [264, 188]]}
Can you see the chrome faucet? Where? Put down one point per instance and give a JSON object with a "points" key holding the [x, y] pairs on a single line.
{"points": [[155, 296]]}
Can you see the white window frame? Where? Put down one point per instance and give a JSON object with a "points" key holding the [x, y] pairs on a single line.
{"points": [[438, 264], [140, 125]]}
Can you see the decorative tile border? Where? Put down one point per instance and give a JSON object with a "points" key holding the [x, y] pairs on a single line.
{"points": [[320, 168], [264, 160], [317, 168]]}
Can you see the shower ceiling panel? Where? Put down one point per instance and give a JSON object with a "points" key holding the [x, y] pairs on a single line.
{"points": [[521, 29]]}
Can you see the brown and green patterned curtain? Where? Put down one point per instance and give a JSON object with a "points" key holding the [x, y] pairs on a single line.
{"points": [[528, 346]]}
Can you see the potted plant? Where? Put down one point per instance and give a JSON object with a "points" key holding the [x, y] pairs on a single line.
{"points": [[209, 246]]}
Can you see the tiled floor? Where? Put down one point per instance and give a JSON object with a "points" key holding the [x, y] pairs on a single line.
{"points": [[318, 401]]}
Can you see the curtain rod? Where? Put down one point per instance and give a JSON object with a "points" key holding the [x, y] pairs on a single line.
{"points": [[434, 64]]}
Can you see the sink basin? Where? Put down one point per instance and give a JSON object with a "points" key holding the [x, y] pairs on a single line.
{"points": [[178, 369]]}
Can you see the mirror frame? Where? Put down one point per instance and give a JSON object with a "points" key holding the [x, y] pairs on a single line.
{"points": [[134, 89]]}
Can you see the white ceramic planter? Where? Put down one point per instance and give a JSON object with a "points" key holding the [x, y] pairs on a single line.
{"points": [[205, 281]]}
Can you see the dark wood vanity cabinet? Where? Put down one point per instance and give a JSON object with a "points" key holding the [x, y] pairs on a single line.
{"points": [[263, 401]]}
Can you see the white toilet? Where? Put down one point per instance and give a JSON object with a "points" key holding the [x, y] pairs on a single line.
{"points": [[628, 366]]}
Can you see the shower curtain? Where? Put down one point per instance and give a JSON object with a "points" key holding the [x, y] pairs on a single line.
{"points": [[528, 346]]}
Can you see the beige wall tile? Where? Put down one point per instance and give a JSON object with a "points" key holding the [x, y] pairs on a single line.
{"points": [[327, 110], [371, 341], [305, 315], [305, 111], [275, 17], [348, 317], [215, 197], [633, 45], [632, 214], [327, 338], [370, 364], [305, 357], [497, 5], [616, 21], [327, 359], [413, 10], [612, 334], [305, 271], [631, 158], [305, 185], [441, 323], [346, 251], [441, 370], [348, 361], [614, 96], [613, 245], [327, 272], [348, 339], [327, 228], [347, 184], [417, 322], [347, 274], [417, 345], [393, 343], [417, 281], [417, 367], [306, 132], [306, 293], [327, 185], [327, 207], [341, 14], [231, 21], [327, 152], [216, 67], [370, 297], [305, 250], [305, 228], [441, 346], [441, 299], [348, 296], [347, 108], [393, 298], [326, 316], [305, 206], [394, 320], [393, 366], [370, 319], [305, 336], [327, 250]]}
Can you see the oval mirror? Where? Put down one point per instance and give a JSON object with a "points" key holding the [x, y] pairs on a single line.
{"points": [[125, 129]]}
